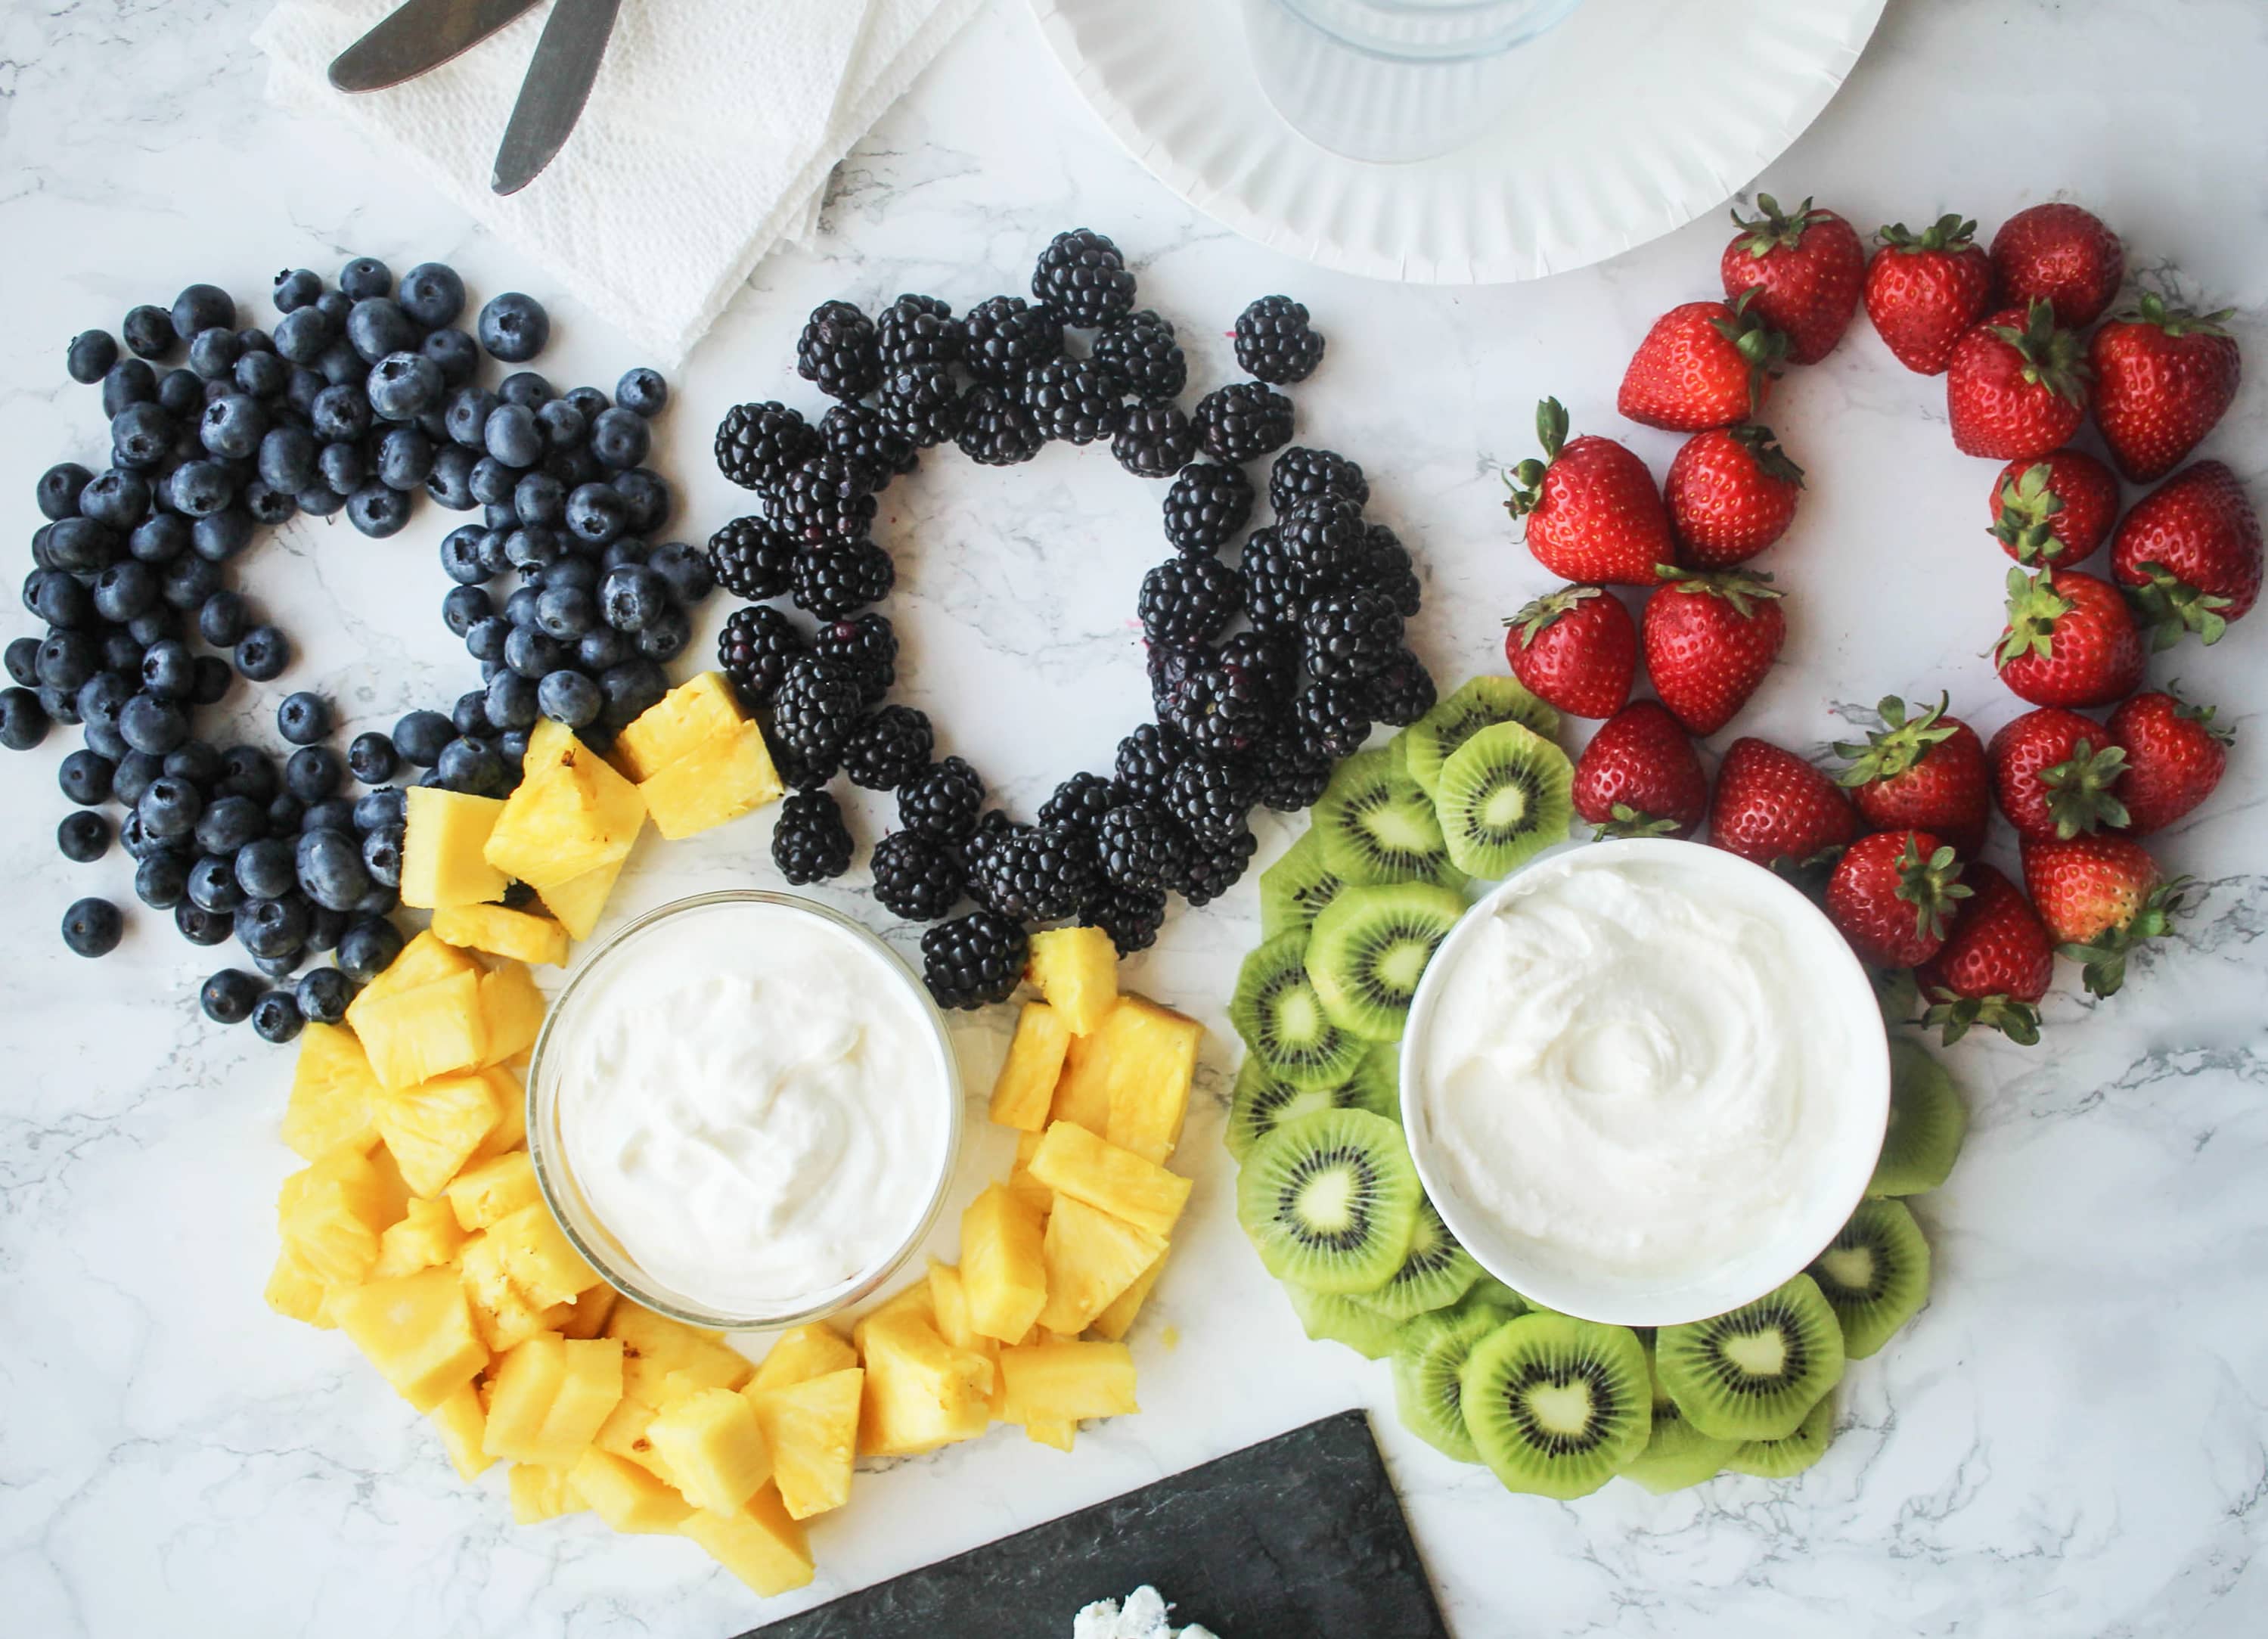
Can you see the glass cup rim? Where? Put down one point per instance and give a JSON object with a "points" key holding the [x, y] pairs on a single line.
{"points": [[576, 1218]]}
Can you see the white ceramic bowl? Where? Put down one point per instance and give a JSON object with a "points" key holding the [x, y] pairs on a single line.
{"points": [[1784, 1245]]}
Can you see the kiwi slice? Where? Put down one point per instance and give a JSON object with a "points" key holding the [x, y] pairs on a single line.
{"points": [[1428, 1356], [1790, 1455], [1927, 1123], [1330, 1200], [1505, 795], [1482, 702], [1261, 1101], [1377, 1084], [1376, 826], [1283, 1021], [1556, 1406], [1874, 1275], [1335, 1317], [1752, 1374], [1677, 1454], [1369, 948], [1297, 886], [1435, 1272], [1489, 1289]]}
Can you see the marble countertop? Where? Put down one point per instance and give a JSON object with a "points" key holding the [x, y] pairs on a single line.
{"points": [[2070, 1439]]}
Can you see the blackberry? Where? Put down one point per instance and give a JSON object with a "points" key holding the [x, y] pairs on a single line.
{"points": [[1170, 671], [1186, 600], [1209, 797], [1325, 538], [1206, 506], [1243, 421], [1131, 916], [1349, 635], [836, 578], [821, 499], [810, 843], [1386, 568], [887, 748], [755, 649], [1009, 337], [1145, 757], [868, 646], [863, 440], [942, 800], [1274, 342], [1275, 591], [812, 713], [1032, 873], [974, 959], [1225, 706], [1140, 847], [837, 351], [752, 556], [1301, 474], [1402, 692], [761, 444], [1212, 870], [1140, 352], [1079, 802], [921, 404], [1072, 399], [1331, 718], [1153, 440], [1289, 776], [915, 877], [996, 429], [919, 330], [1264, 660], [1082, 276]]}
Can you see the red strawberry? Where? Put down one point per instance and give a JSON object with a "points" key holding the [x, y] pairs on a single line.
{"points": [[2056, 773], [1925, 289], [1994, 966], [1576, 647], [1772, 808], [2016, 386], [1706, 364], [1592, 512], [1892, 893], [2057, 509], [2192, 551], [1709, 640], [1640, 777], [1805, 269], [2174, 757], [1926, 773], [2100, 897], [2070, 639], [2164, 376], [1731, 493], [2060, 254]]}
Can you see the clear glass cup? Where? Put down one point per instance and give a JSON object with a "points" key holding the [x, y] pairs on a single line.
{"points": [[581, 1224], [1393, 80]]}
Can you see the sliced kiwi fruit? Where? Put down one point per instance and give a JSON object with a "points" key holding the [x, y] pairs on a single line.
{"points": [[1330, 1200], [1376, 826], [1556, 1406], [1282, 1019], [1369, 950], [1435, 1272], [1481, 702], [1377, 1084], [1874, 1275], [1335, 1317], [1752, 1374], [1297, 886], [1429, 1355], [1677, 1454], [1927, 1123], [1791, 1454], [1263, 1101], [1505, 795], [1489, 1289]]}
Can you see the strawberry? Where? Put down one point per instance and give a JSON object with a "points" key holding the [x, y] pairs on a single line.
{"points": [[2016, 386], [1591, 510], [2100, 897], [1706, 364], [2057, 509], [1577, 648], [1805, 268], [1731, 492], [1994, 966], [2164, 376], [2056, 773], [1772, 808], [1892, 893], [1640, 777], [1709, 640], [2191, 548], [1926, 773], [1925, 289], [2174, 757], [2060, 254], [2070, 639]]}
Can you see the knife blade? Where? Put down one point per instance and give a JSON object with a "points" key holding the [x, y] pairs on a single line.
{"points": [[420, 35], [552, 96]]}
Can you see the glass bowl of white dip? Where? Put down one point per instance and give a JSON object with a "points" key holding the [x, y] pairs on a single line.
{"points": [[743, 1110], [1644, 1081]]}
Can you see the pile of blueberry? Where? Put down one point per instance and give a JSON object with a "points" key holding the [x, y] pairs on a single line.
{"points": [[361, 396]]}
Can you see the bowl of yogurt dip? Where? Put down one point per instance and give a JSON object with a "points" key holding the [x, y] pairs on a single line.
{"points": [[743, 1110], [1644, 1081]]}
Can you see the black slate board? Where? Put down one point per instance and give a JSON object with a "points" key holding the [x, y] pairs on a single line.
{"points": [[1301, 1537]]}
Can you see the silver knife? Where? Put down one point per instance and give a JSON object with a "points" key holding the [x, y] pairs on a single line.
{"points": [[420, 35], [551, 97]]}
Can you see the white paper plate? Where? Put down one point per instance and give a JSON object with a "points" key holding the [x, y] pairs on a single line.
{"points": [[1639, 115]]}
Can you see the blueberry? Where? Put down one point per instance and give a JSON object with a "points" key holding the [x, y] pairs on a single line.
{"points": [[450, 482], [381, 857], [297, 288], [60, 487], [512, 436], [287, 459], [340, 412], [228, 996], [404, 386], [304, 335], [106, 743], [133, 775], [200, 928], [218, 536], [124, 590], [368, 948], [272, 927], [232, 426], [118, 498], [200, 307], [161, 880], [687, 570], [128, 381], [23, 660], [276, 1016], [264, 504], [460, 555], [154, 723], [433, 293], [467, 415], [625, 549], [80, 546], [666, 636], [185, 584], [58, 600], [181, 393], [633, 597], [596, 514], [341, 365], [574, 467], [562, 424], [343, 467], [83, 838], [384, 807], [212, 885], [631, 688], [365, 276], [565, 611], [67, 660], [570, 697], [262, 653], [213, 353], [330, 868], [90, 356], [262, 374], [332, 814], [201, 488], [642, 391], [85, 777], [246, 771], [378, 511], [141, 435], [485, 639], [303, 717], [102, 697], [375, 326], [313, 773], [520, 608], [620, 439], [589, 400], [170, 807], [531, 546], [91, 927], [511, 701], [198, 762], [323, 995], [149, 331], [320, 500], [469, 715], [213, 679], [531, 653], [267, 868], [371, 758], [514, 327], [229, 823], [511, 746], [405, 459], [601, 647], [336, 305], [537, 498], [121, 652], [168, 671], [470, 763], [419, 736], [491, 481]]}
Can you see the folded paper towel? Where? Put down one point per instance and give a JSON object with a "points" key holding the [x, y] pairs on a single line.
{"points": [[706, 143]]}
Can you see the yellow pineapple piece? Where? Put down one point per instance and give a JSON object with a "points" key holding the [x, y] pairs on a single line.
{"points": [[512, 1012], [708, 1441], [727, 776], [503, 1314], [460, 1421], [579, 903], [538, 1494], [1066, 1383], [1129, 1082], [1071, 1161], [760, 1543], [920, 1391], [488, 1190], [538, 1258], [417, 1034], [296, 1292], [811, 1427], [333, 1094], [811, 1350], [1082, 1095], [696, 711], [520, 935], [432, 1129], [417, 1330], [654, 1347], [948, 1301], [511, 1132], [567, 818], [549, 745], [1116, 1321], [424, 960], [330, 1213], [1062, 1435], [426, 1235], [1004, 1271], [913, 1300], [547, 1396], [1028, 1079], [627, 1496], [588, 1314], [1077, 970], [442, 843], [1092, 1258], [1022, 1184]]}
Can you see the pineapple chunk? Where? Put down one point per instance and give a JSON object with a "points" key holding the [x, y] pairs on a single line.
{"points": [[1082, 1095], [538, 1258], [547, 1397], [1077, 970], [950, 1299], [1071, 1161], [698, 710], [423, 961], [1060, 1383], [1022, 1184], [511, 1132], [331, 1213], [1130, 1080], [502, 1313], [417, 1034], [417, 1330], [295, 1292], [579, 903], [654, 1347], [720, 779], [485, 1192], [549, 745], [811, 1350], [627, 1496], [432, 1129], [333, 1094], [566, 819], [913, 1300], [520, 935], [811, 1427], [920, 1391], [427, 1234], [1116, 1321], [442, 845], [1092, 1258], [759, 1544], [1004, 1271], [588, 1314], [708, 1441], [1062, 1435], [459, 1419], [512, 1012], [1027, 1080], [538, 1494]]}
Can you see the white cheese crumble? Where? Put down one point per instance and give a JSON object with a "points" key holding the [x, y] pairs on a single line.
{"points": [[1143, 1616]]}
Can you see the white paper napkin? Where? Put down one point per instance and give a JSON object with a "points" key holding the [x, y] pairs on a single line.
{"points": [[707, 141]]}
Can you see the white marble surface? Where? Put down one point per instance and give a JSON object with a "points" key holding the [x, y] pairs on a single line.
{"points": [[2070, 1440]]}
